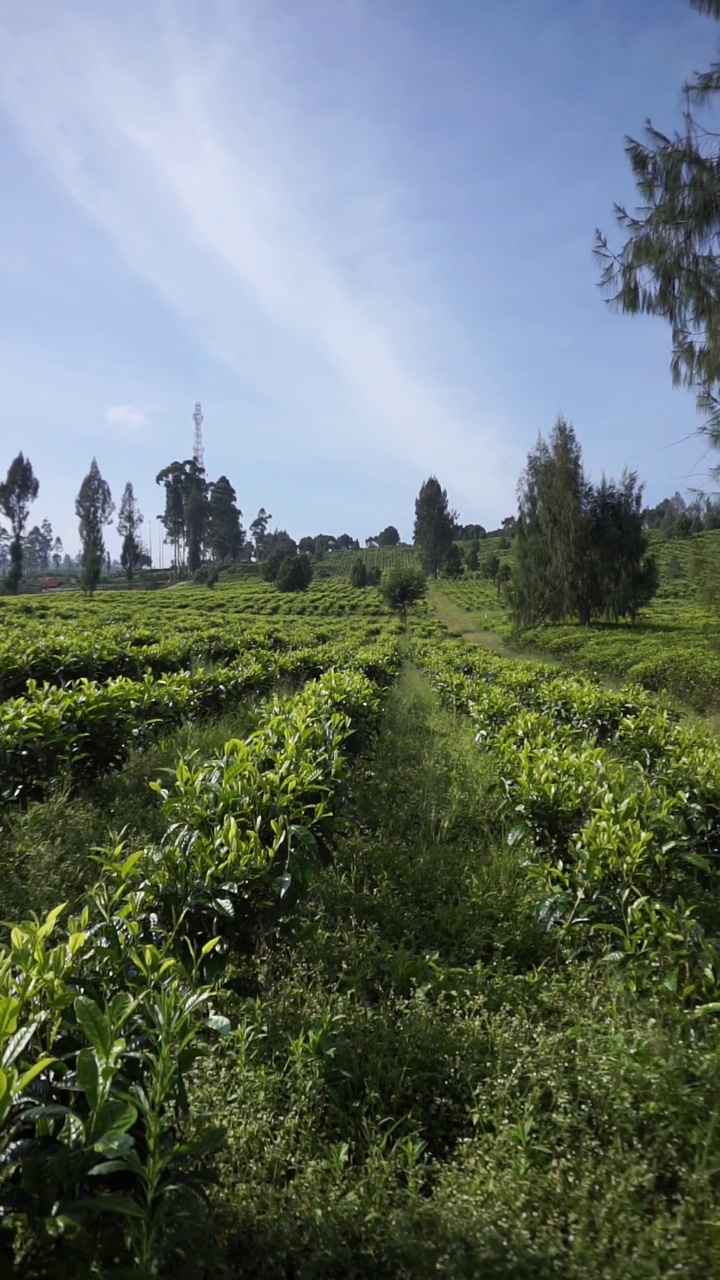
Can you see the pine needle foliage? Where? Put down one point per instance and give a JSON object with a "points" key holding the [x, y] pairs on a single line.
{"points": [[435, 525], [580, 550], [669, 264]]}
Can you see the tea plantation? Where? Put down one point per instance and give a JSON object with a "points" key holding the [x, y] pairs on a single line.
{"points": [[335, 951]]}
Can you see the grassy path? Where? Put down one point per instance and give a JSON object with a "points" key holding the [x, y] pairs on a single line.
{"points": [[463, 622]]}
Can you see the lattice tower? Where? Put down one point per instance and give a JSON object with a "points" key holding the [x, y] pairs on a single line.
{"points": [[198, 450]]}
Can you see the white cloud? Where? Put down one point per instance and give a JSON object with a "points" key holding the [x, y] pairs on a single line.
{"points": [[280, 239], [126, 415]]}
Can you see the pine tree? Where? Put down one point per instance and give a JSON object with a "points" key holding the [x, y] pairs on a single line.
{"points": [[580, 551], [196, 515], [625, 577], [435, 525], [550, 534], [294, 574], [669, 264]]}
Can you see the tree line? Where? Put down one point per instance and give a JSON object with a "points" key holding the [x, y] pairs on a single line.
{"points": [[201, 519]]}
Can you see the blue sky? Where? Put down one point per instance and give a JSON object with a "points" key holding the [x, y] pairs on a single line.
{"points": [[359, 231]]}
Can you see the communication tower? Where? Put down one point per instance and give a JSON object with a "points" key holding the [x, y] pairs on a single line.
{"points": [[198, 451]]}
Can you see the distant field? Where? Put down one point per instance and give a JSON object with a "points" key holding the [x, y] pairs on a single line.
{"points": [[339, 563], [674, 646]]}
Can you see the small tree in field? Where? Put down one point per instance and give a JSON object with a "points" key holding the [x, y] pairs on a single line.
{"points": [[295, 574], [401, 586], [359, 573], [270, 568]]}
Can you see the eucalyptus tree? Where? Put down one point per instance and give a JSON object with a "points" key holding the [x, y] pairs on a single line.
{"points": [[185, 517], [225, 532], [259, 533], [17, 491], [129, 520], [94, 508]]}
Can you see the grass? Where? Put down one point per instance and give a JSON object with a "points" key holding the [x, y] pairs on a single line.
{"points": [[47, 850], [465, 623]]}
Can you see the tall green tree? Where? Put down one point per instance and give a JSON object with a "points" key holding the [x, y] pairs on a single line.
{"points": [[472, 556], [669, 265], [259, 533], [389, 537], [225, 531], [37, 546], [196, 514], [17, 491], [281, 544], [435, 525], [452, 565], [580, 551], [129, 520], [618, 576], [186, 512], [4, 550], [550, 534], [173, 517], [94, 508]]}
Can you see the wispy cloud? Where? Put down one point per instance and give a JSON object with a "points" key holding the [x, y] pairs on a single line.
{"points": [[202, 145], [127, 416]]}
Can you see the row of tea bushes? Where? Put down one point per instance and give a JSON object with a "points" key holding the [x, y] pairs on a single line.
{"points": [[686, 666], [101, 647], [103, 1015], [617, 803], [78, 730]]}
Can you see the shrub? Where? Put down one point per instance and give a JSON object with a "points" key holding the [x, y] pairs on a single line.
{"points": [[270, 567], [358, 574], [295, 573], [401, 586]]}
